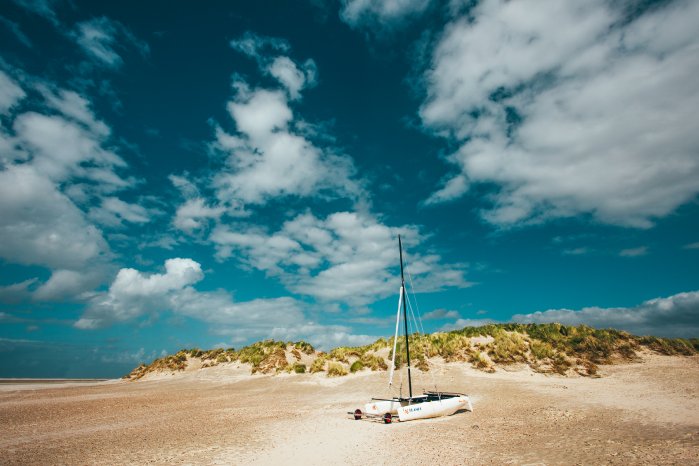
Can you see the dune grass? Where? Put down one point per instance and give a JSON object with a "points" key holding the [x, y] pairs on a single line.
{"points": [[548, 348]]}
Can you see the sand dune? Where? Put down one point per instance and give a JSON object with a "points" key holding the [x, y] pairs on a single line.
{"points": [[645, 412]]}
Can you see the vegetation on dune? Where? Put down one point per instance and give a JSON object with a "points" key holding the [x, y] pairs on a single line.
{"points": [[547, 348], [336, 369], [299, 368]]}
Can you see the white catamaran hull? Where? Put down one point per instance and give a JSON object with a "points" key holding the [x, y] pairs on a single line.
{"points": [[381, 407], [437, 408]]}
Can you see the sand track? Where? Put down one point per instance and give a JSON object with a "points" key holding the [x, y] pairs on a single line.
{"points": [[641, 413]]}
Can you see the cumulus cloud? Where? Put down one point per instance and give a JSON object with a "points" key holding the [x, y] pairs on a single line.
{"points": [[271, 155], [345, 258], [269, 159], [674, 316], [369, 12], [57, 161], [61, 149], [569, 108], [134, 294], [39, 225], [102, 39], [66, 284], [194, 214], [291, 76]]}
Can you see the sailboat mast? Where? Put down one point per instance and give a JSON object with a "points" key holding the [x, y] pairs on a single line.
{"points": [[405, 317]]}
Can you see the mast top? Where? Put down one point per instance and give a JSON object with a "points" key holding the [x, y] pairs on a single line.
{"points": [[400, 249]]}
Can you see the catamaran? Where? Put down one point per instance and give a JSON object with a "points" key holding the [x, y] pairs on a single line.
{"points": [[427, 405]]}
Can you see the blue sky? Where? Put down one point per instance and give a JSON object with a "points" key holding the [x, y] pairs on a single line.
{"points": [[178, 175]]}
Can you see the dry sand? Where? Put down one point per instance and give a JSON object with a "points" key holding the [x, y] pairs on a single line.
{"points": [[641, 413]]}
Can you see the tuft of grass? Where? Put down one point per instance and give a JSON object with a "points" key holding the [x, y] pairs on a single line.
{"points": [[374, 362], [670, 347], [335, 369], [222, 357], [299, 368], [357, 365], [319, 363], [541, 349], [304, 347], [507, 347], [343, 353]]}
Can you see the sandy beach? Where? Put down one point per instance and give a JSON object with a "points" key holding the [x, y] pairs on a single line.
{"points": [[639, 413]]}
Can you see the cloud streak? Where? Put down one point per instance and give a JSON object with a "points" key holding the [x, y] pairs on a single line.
{"points": [[102, 39], [368, 13]]}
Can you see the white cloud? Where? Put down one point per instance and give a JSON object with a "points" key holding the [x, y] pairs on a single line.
{"points": [[440, 314], [674, 316], [271, 156], [692, 245], [453, 188], [56, 166], [66, 284], [134, 294], [257, 46], [16, 292], [282, 68], [370, 12], [569, 109], [76, 107], [114, 212], [179, 272], [10, 93], [194, 214], [100, 39], [269, 159], [40, 226], [323, 337], [291, 77], [634, 252], [461, 323], [345, 258], [577, 251], [61, 149]]}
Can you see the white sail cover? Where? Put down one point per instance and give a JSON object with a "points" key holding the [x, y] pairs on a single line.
{"points": [[395, 338]]}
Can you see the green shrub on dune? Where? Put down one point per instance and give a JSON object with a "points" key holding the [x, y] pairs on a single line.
{"points": [[357, 365], [335, 369]]}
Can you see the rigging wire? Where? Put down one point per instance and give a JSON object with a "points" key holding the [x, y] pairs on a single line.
{"points": [[418, 320]]}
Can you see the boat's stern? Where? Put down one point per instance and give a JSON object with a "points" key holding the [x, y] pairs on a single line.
{"points": [[381, 407]]}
